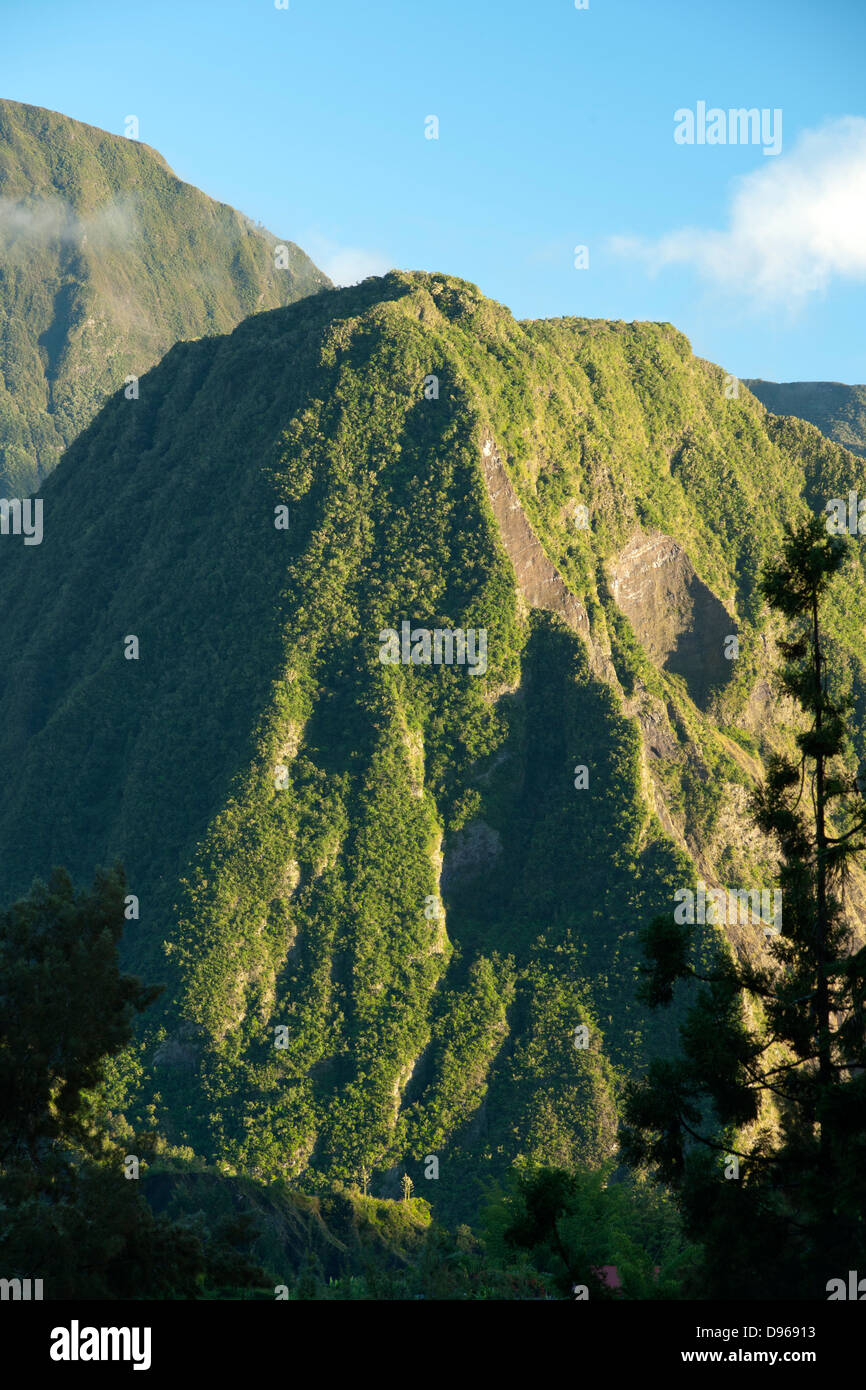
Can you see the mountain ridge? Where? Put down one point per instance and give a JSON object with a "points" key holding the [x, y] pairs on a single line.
{"points": [[289, 808], [836, 409], [106, 259]]}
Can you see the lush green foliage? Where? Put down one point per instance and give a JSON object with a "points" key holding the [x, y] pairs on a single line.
{"points": [[302, 905]]}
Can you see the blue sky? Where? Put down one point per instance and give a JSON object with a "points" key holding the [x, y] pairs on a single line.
{"points": [[556, 129]]}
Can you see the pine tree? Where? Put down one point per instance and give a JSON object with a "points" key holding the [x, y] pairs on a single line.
{"points": [[760, 1126]]}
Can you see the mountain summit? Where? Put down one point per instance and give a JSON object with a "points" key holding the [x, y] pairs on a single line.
{"points": [[106, 260], [396, 899]]}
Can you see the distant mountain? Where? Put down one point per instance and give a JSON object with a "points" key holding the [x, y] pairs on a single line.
{"points": [[837, 410], [106, 260], [387, 896]]}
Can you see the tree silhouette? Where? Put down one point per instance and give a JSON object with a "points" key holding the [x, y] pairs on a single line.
{"points": [[771, 1072], [68, 1215]]}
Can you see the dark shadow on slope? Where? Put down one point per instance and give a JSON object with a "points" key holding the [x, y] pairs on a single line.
{"points": [[699, 654], [158, 524], [566, 897]]}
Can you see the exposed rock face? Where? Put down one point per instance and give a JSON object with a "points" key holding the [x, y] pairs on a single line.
{"points": [[538, 580], [537, 577], [682, 626], [677, 618], [658, 736]]}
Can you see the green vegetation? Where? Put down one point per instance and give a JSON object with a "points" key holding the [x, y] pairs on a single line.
{"points": [[106, 260], [575, 1226], [282, 800], [75, 1215]]}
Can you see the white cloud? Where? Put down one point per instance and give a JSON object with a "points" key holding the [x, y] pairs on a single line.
{"points": [[55, 220], [345, 265], [794, 225]]}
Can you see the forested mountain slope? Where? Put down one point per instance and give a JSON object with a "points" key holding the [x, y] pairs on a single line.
{"points": [[106, 260], [383, 896], [839, 411]]}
